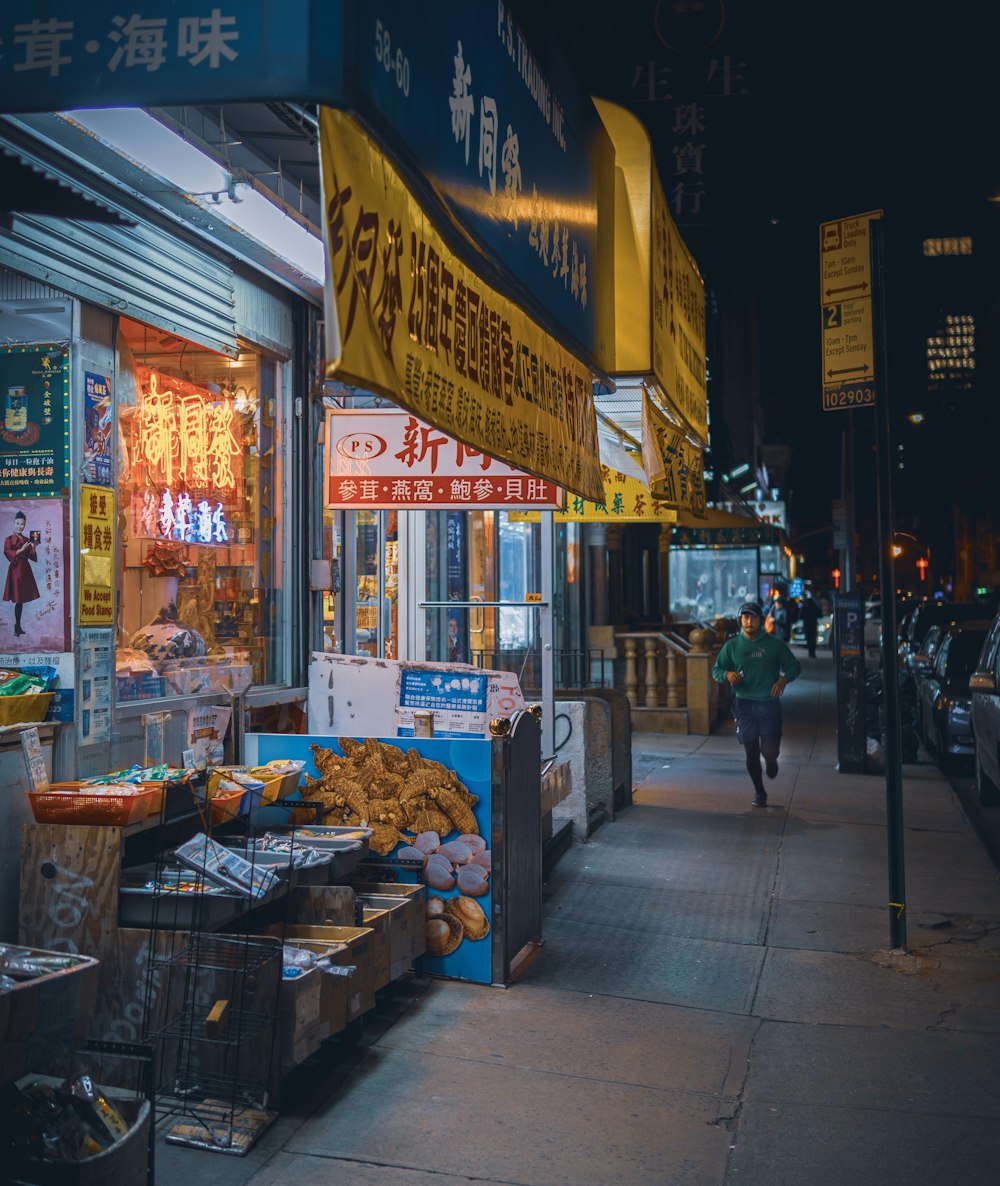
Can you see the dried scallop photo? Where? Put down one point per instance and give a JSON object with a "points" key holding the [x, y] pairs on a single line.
{"points": [[471, 915], [443, 933]]}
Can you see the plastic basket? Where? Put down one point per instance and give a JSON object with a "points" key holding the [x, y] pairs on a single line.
{"points": [[72, 804], [23, 710], [226, 806]]}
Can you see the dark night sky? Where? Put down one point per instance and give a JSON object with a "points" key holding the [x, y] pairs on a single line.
{"points": [[848, 107]]}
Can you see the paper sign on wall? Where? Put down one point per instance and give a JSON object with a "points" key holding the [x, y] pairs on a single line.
{"points": [[38, 776]]}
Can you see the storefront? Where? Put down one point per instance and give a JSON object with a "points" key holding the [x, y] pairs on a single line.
{"points": [[146, 459], [722, 560]]}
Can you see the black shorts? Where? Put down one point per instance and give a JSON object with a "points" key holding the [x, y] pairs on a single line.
{"points": [[757, 718]]}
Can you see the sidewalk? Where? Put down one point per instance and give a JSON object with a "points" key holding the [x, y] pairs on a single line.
{"points": [[715, 1003]]}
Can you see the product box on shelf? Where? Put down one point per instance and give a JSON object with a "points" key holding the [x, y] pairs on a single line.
{"points": [[315, 1022], [406, 929], [189, 681], [379, 918], [299, 1033], [358, 949], [141, 685]]}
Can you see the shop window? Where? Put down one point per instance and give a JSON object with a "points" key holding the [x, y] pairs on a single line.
{"points": [[200, 487], [708, 583], [376, 622]]}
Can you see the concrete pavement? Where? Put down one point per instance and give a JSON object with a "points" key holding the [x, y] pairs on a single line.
{"points": [[715, 1004]]}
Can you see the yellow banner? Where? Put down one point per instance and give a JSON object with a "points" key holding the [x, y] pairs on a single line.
{"points": [[678, 318], [626, 500], [97, 556], [673, 465], [418, 326]]}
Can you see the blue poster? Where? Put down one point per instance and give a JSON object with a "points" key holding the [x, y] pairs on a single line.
{"points": [[97, 425], [456, 863]]}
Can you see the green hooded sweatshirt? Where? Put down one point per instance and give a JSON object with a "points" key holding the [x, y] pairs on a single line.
{"points": [[760, 660]]}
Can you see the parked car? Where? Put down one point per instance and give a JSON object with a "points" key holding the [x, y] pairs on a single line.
{"points": [[945, 702], [921, 665], [926, 615], [873, 629], [984, 685]]}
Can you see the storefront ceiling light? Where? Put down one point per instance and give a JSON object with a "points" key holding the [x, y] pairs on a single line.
{"points": [[135, 134]]}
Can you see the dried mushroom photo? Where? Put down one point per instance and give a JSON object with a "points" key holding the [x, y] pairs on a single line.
{"points": [[419, 811]]}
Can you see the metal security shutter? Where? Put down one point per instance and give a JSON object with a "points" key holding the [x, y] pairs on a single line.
{"points": [[263, 316], [139, 271]]}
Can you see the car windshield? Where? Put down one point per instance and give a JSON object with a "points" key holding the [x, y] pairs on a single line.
{"points": [[961, 660]]}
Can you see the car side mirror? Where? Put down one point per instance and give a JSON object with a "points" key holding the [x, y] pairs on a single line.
{"points": [[983, 681]]}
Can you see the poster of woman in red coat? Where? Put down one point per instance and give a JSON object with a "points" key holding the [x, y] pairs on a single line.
{"points": [[21, 552], [32, 533]]}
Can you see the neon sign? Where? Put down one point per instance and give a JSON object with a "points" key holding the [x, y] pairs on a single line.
{"points": [[178, 517], [183, 437]]}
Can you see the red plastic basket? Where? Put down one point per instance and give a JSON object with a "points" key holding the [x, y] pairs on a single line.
{"points": [[70, 805]]}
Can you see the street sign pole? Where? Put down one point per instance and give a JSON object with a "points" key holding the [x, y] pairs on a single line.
{"points": [[887, 581], [850, 376]]}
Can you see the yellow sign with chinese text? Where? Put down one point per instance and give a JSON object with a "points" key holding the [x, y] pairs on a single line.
{"points": [[626, 500], [97, 556], [673, 465], [678, 318], [416, 324]]}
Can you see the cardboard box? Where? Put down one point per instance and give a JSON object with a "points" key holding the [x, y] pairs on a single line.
{"points": [[401, 924], [322, 905], [359, 949], [379, 919], [410, 927], [299, 1030], [334, 991]]}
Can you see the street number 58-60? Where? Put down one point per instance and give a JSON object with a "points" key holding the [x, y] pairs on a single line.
{"points": [[391, 63]]}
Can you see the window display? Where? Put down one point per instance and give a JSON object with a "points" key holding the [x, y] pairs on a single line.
{"points": [[707, 583], [199, 489]]}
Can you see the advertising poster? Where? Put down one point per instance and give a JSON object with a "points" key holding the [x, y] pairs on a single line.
{"points": [[97, 556], [458, 869], [97, 658], [33, 609], [34, 439], [457, 702], [97, 426], [350, 692], [206, 736]]}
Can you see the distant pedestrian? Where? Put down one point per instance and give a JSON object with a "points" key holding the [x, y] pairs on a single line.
{"points": [[778, 620], [758, 667], [810, 622]]}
